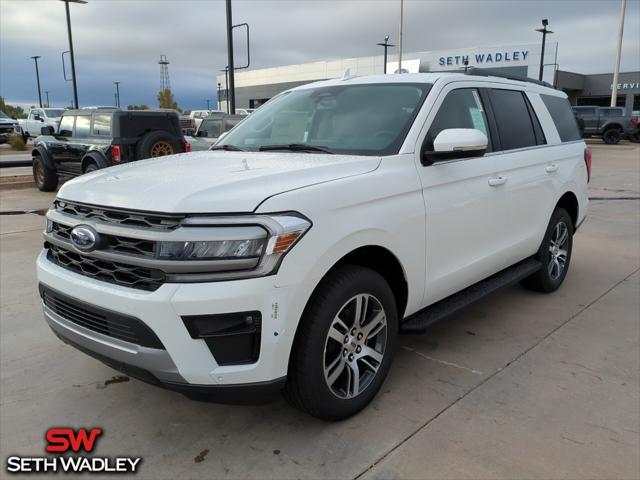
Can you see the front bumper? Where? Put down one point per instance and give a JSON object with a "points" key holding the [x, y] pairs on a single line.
{"points": [[185, 364]]}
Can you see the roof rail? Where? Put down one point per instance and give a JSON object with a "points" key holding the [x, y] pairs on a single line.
{"points": [[487, 72]]}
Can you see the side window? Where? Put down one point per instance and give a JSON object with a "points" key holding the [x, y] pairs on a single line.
{"points": [[102, 125], [563, 117], [83, 124], [515, 126], [66, 126], [461, 108]]}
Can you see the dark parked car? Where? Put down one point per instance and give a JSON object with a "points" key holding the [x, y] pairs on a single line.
{"points": [[90, 139], [610, 123], [8, 128], [211, 128]]}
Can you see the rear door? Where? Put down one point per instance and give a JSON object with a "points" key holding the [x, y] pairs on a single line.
{"points": [[590, 117], [466, 205], [79, 143], [527, 168]]}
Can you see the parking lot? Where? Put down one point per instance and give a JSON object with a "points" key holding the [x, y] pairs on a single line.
{"points": [[521, 385]]}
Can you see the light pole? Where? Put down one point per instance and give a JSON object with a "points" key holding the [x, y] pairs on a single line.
{"points": [[219, 104], [401, 31], [35, 59], [386, 45], [231, 94], [544, 32], [117, 84], [208, 105], [73, 62], [47, 93], [616, 71]]}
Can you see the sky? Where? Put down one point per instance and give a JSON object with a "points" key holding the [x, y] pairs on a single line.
{"points": [[121, 40]]}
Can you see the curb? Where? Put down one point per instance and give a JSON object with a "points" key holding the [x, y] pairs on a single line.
{"points": [[15, 182]]}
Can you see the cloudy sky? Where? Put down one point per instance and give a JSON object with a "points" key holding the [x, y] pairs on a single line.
{"points": [[122, 39]]}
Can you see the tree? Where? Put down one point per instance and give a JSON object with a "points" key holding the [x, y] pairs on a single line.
{"points": [[165, 99], [12, 111], [138, 107]]}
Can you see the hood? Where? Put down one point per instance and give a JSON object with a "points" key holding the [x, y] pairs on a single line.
{"points": [[210, 182]]}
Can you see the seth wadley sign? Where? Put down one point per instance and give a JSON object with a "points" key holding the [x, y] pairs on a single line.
{"points": [[484, 58]]}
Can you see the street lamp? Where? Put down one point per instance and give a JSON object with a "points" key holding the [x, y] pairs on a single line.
{"points": [[219, 104], [117, 84], [386, 45], [231, 95], [73, 63], [35, 59], [47, 94], [544, 32], [208, 105]]}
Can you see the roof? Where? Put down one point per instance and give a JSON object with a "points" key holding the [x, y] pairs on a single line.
{"points": [[432, 77]]}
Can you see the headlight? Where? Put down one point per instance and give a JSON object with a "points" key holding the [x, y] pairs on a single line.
{"points": [[238, 247], [210, 250]]}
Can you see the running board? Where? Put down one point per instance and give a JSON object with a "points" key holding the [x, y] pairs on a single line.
{"points": [[420, 321]]}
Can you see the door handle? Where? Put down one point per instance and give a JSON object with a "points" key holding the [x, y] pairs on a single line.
{"points": [[551, 168], [497, 181]]}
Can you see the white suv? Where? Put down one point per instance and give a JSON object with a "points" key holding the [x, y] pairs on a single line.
{"points": [[336, 216]]}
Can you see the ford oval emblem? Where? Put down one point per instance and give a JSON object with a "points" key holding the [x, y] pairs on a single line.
{"points": [[84, 238]]}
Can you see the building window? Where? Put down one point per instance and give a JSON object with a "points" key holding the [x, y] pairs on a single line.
{"points": [[601, 101]]}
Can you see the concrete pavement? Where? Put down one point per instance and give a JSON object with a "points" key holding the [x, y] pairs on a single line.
{"points": [[521, 385]]}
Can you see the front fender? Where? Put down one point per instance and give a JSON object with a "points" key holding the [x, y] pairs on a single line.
{"points": [[42, 151]]}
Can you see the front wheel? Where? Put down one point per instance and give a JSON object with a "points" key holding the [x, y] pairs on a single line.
{"points": [[45, 177], [344, 345], [554, 254]]}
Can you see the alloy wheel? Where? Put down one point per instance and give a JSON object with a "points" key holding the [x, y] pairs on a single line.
{"points": [[558, 250], [355, 346], [161, 148]]}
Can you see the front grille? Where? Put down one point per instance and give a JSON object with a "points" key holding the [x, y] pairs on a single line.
{"points": [[106, 322], [118, 217], [118, 273], [117, 244]]}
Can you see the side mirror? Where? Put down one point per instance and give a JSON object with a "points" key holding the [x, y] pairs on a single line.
{"points": [[456, 143], [202, 133], [48, 130], [65, 133], [38, 117]]}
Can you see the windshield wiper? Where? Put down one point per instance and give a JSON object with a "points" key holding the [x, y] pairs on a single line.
{"points": [[229, 148], [296, 147]]}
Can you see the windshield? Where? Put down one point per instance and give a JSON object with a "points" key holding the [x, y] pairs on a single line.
{"points": [[54, 112], [361, 119]]}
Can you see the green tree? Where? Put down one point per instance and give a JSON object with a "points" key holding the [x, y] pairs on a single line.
{"points": [[165, 99], [12, 111], [142, 106]]}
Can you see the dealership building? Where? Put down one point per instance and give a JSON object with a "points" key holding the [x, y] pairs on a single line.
{"points": [[254, 87]]}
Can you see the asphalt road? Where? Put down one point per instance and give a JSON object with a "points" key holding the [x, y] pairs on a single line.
{"points": [[521, 385]]}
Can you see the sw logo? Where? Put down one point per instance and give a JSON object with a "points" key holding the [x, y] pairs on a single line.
{"points": [[66, 442], [65, 439]]}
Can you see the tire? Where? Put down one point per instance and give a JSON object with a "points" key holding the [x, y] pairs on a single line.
{"points": [[612, 136], [45, 177], [554, 269], [157, 144], [635, 137], [91, 167], [25, 138], [320, 378]]}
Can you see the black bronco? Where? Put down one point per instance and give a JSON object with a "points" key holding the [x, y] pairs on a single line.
{"points": [[90, 139]]}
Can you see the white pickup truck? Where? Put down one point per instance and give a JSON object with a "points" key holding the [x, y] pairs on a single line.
{"points": [[38, 118], [292, 254]]}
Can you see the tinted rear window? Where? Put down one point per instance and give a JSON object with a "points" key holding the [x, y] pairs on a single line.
{"points": [[515, 126], [563, 117]]}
